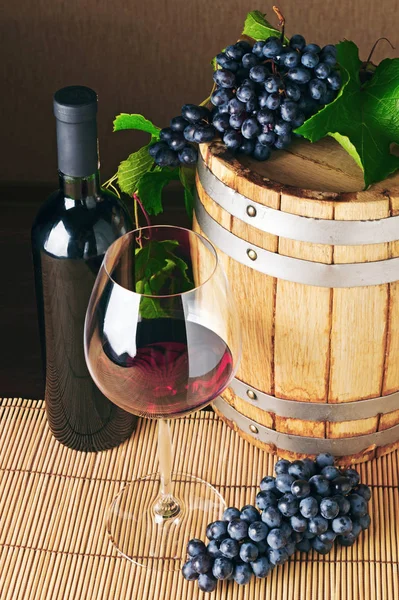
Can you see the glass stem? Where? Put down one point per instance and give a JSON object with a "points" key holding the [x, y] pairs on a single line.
{"points": [[166, 505]]}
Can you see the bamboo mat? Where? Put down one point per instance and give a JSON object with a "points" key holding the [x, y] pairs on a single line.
{"points": [[52, 502]]}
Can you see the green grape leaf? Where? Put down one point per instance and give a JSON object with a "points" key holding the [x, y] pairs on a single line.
{"points": [[150, 186], [187, 178], [364, 118], [131, 170], [257, 27], [135, 121]]}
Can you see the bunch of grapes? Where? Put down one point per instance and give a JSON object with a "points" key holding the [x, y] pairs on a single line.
{"points": [[306, 506], [262, 94]]}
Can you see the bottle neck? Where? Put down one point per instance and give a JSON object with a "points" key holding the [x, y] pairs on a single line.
{"points": [[80, 188]]}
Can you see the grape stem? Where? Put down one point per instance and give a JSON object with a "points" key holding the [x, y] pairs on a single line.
{"points": [[281, 21], [375, 46]]}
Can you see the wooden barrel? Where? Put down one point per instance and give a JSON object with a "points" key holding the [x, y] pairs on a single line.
{"points": [[313, 263]]}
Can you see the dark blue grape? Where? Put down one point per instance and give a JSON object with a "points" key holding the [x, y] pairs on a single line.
{"points": [[178, 124], [250, 128], [346, 540], [278, 557], [258, 49], [267, 138], [329, 49], [249, 513], [188, 155], [317, 525], [311, 465], [246, 46], [262, 98], [273, 101], [247, 147], [304, 545], [235, 51], [221, 96], [224, 78], [249, 60], [188, 571], [165, 134], [299, 120], [189, 132], [308, 507], [265, 499], [195, 547], [238, 529], [258, 531], [293, 92], [272, 47], [272, 84], [343, 503], [166, 157], [229, 547], [219, 121], [266, 117], [259, 73], [232, 139], [329, 509], [282, 141], [297, 42], [204, 133], [152, 150], [236, 120], [298, 469], [261, 152], [365, 521], [356, 528], [299, 74], [358, 505], [330, 472], [226, 62], [353, 476], [327, 536], [341, 485], [329, 59], [252, 105], [320, 485], [176, 141], [276, 539], [236, 107], [268, 483], [309, 60], [194, 113], [288, 504], [291, 58], [207, 582], [249, 552], [312, 48], [221, 110], [242, 573], [213, 549], [317, 88], [261, 567], [216, 530], [231, 513], [334, 80], [201, 563], [363, 490], [286, 529], [321, 547], [222, 568], [289, 111], [322, 70], [245, 93], [290, 547], [342, 525], [272, 517], [285, 480], [298, 523], [281, 466]]}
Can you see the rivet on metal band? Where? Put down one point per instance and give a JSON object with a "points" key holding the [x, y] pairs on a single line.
{"points": [[296, 227], [316, 411], [295, 269], [306, 445], [252, 254]]}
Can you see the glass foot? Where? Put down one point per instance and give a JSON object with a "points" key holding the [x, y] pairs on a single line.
{"points": [[147, 539]]}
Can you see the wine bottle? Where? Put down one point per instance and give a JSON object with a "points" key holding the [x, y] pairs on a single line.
{"points": [[70, 236]]}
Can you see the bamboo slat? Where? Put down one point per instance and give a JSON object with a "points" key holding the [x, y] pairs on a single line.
{"points": [[53, 544]]}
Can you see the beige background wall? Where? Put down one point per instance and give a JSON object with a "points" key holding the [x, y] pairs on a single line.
{"points": [[148, 56]]}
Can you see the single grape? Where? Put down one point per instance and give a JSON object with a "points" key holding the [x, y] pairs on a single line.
{"points": [[353, 476], [291, 58], [246, 46], [259, 73], [346, 540], [311, 465], [343, 503], [320, 485], [304, 545], [221, 110], [341, 485], [166, 157], [363, 490], [329, 49], [165, 134], [221, 96], [282, 141], [230, 514], [329, 59], [285, 480], [258, 49], [289, 111], [258, 531], [364, 522], [321, 547], [226, 62], [235, 51], [342, 525], [265, 117], [283, 128], [207, 582], [329, 508], [261, 567], [250, 128], [356, 528], [317, 88], [189, 132], [236, 120], [195, 547], [267, 138], [201, 563], [242, 573], [272, 83], [312, 48], [194, 113], [276, 539], [281, 466], [297, 42], [238, 529], [247, 147], [358, 505], [204, 133], [176, 141], [290, 547], [298, 523], [265, 499], [229, 547], [248, 552], [252, 106], [232, 139], [322, 70], [330, 472], [249, 60], [299, 75], [213, 549], [288, 504], [219, 121], [249, 513], [299, 120], [293, 92], [245, 93], [278, 557], [236, 107], [222, 568], [309, 60], [152, 150], [308, 507], [262, 98], [188, 571], [317, 525], [268, 483], [334, 80], [273, 101], [178, 124], [224, 78], [188, 155], [217, 530], [286, 528], [327, 536], [261, 152], [272, 47], [272, 517]]}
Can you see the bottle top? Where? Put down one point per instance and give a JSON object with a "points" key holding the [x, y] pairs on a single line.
{"points": [[75, 104]]}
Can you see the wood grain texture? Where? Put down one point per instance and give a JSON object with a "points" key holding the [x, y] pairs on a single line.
{"points": [[308, 343]]}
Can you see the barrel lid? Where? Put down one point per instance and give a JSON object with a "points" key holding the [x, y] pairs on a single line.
{"points": [[75, 104]]}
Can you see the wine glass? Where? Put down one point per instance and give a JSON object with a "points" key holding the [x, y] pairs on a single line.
{"points": [[162, 340]]}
